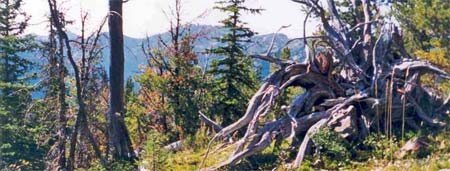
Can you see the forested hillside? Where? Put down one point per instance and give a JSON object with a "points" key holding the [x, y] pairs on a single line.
{"points": [[368, 89]]}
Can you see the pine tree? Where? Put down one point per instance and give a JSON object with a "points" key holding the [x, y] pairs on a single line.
{"points": [[426, 32], [285, 54], [18, 149], [235, 74], [13, 67]]}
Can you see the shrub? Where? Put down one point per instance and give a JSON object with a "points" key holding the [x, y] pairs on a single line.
{"points": [[113, 166], [331, 148], [199, 140], [154, 156], [381, 147]]}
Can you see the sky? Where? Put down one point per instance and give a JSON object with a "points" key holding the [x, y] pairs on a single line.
{"points": [[148, 17]]}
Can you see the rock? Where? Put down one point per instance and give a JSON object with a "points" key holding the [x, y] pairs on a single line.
{"points": [[344, 122], [412, 145], [175, 146]]}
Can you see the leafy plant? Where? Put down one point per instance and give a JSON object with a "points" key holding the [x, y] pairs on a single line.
{"points": [[199, 140], [331, 148], [114, 166], [154, 156], [380, 146]]}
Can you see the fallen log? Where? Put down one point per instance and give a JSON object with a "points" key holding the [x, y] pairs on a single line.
{"points": [[175, 146]]}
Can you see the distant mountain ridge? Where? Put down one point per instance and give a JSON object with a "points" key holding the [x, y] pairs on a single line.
{"points": [[134, 56]]}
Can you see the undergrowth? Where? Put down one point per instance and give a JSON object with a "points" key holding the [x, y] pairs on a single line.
{"points": [[330, 152]]}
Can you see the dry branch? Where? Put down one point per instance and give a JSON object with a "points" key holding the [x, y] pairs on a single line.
{"points": [[209, 122]]}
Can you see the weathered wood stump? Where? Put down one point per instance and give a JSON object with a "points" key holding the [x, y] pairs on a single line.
{"points": [[366, 86]]}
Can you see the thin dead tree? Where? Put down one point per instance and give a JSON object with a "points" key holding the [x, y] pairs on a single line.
{"points": [[81, 124], [56, 75], [119, 138], [349, 93]]}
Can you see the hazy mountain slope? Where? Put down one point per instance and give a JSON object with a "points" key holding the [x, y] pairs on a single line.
{"points": [[134, 55]]}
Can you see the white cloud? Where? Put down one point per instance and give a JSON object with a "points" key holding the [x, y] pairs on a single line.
{"points": [[146, 17]]}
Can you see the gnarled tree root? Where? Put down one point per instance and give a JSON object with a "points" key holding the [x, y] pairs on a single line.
{"points": [[362, 92]]}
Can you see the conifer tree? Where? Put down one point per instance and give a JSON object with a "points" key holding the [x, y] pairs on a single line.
{"points": [[14, 67], [426, 32], [285, 54], [235, 73], [18, 149]]}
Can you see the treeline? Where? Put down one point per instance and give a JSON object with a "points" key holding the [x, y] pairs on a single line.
{"points": [[88, 117]]}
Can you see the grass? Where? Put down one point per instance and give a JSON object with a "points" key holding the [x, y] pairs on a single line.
{"points": [[433, 162], [436, 158], [190, 159]]}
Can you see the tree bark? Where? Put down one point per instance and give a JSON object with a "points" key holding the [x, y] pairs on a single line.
{"points": [[119, 138], [62, 110]]}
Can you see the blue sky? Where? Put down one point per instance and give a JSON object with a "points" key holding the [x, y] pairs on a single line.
{"points": [[147, 17]]}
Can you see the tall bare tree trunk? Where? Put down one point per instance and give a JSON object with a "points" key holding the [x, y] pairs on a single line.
{"points": [[62, 110], [119, 138]]}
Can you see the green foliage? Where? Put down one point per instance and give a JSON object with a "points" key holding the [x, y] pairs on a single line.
{"points": [[130, 95], [199, 140], [188, 159], [380, 146], [13, 20], [13, 67], [18, 135], [332, 149], [154, 156], [285, 54], [235, 75], [288, 94], [434, 157], [135, 115], [266, 160], [425, 24], [18, 129], [175, 85], [113, 166], [306, 166]]}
